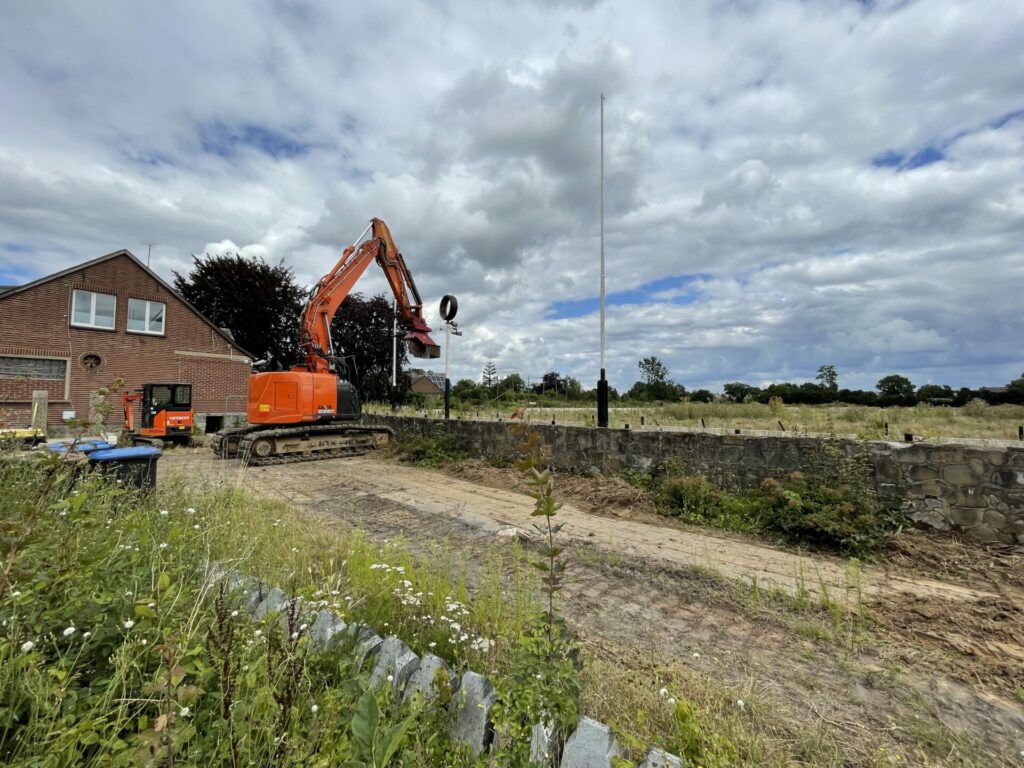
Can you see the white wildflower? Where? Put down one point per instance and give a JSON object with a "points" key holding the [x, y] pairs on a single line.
{"points": [[27, 646], [163, 545], [663, 692], [696, 655], [190, 511], [234, 614], [391, 678], [314, 709], [302, 627], [185, 712], [164, 513], [671, 701], [129, 624], [16, 593], [295, 635], [87, 635], [69, 632], [196, 527], [739, 703]]}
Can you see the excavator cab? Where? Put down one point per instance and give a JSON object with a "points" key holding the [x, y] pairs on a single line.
{"points": [[158, 412]]}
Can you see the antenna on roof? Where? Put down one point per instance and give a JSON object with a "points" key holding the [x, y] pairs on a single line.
{"points": [[149, 253]]}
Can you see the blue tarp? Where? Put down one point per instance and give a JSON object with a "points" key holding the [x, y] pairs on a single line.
{"points": [[126, 454], [86, 446]]}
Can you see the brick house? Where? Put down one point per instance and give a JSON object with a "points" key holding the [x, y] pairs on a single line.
{"points": [[76, 331]]}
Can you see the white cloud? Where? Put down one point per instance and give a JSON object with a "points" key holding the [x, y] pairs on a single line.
{"points": [[740, 147]]}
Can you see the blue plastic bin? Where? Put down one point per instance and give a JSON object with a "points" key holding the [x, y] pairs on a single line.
{"points": [[132, 467]]}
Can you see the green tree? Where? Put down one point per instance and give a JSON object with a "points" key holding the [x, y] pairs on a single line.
{"points": [[653, 371], [513, 382], [361, 332], [259, 303], [490, 374], [1017, 385], [738, 392], [828, 377], [931, 392], [895, 386]]}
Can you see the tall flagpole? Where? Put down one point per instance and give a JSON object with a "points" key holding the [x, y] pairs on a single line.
{"points": [[602, 384]]}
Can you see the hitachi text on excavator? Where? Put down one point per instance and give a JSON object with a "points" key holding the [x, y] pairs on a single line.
{"points": [[307, 412]]}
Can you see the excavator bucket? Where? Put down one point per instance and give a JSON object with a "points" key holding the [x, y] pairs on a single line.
{"points": [[421, 345]]}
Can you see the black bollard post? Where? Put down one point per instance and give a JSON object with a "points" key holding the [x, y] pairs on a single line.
{"points": [[641, 421], [887, 429], [1020, 433], [737, 431], [627, 426], [908, 437]]}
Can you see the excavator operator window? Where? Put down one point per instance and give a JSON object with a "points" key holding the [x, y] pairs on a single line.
{"points": [[160, 395], [183, 395]]}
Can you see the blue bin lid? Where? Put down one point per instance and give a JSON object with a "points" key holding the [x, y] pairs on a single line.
{"points": [[126, 454], [86, 446]]}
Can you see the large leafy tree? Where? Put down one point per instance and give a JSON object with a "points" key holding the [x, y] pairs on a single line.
{"points": [[258, 302], [653, 371], [361, 333], [738, 392], [828, 377], [514, 382], [895, 386]]}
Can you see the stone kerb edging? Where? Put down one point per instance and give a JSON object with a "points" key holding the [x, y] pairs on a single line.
{"points": [[591, 745]]}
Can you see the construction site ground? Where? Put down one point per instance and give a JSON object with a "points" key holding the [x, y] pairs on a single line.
{"points": [[919, 654]]}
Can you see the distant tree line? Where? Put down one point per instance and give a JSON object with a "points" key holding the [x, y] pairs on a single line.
{"points": [[654, 385]]}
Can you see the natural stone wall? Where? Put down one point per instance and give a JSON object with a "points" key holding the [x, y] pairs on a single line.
{"points": [[976, 490]]}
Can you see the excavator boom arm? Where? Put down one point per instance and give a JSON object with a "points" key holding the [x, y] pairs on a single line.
{"points": [[337, 284]]}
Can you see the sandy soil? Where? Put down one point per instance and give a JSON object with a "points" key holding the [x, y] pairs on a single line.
{"points": [[939, 628]]}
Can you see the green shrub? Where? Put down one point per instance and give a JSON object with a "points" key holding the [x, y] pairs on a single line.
{"points": [[831, 503], [429, 451], [694, 499]]}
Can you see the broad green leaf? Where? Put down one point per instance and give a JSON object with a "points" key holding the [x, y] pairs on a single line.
{"points": [[364, 722]]}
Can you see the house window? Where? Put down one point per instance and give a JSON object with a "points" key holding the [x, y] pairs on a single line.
{"points": [[146, 316], [93, 310], [34, 368]]}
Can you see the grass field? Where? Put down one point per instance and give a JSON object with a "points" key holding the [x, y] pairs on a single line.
{"points": [[977, 420]]}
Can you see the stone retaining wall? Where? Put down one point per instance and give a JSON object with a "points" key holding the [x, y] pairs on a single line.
{"points": [[976, 490]]}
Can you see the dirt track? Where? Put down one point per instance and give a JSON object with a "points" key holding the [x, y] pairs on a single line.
{"points": [[640, 590]]}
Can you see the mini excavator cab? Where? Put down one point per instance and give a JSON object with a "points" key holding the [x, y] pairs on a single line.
{"points": [[158, 412]]}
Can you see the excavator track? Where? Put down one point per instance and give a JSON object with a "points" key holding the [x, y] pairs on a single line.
{"points": [[258, 446]]}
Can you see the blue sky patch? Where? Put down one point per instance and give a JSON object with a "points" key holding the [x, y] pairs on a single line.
{"points": [[227, 140], [907, 162], [643, 294]]}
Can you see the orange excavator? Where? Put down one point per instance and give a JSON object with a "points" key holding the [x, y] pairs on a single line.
{"points": [[306, 413]]}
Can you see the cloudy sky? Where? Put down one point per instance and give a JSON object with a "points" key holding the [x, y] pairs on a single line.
{"points": [[788, 184]]}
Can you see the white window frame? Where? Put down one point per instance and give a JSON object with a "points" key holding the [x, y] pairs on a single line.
{"points": [[149, 305], [92, 310]]}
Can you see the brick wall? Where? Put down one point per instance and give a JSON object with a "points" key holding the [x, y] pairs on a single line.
{"points": [[35, 322]]}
